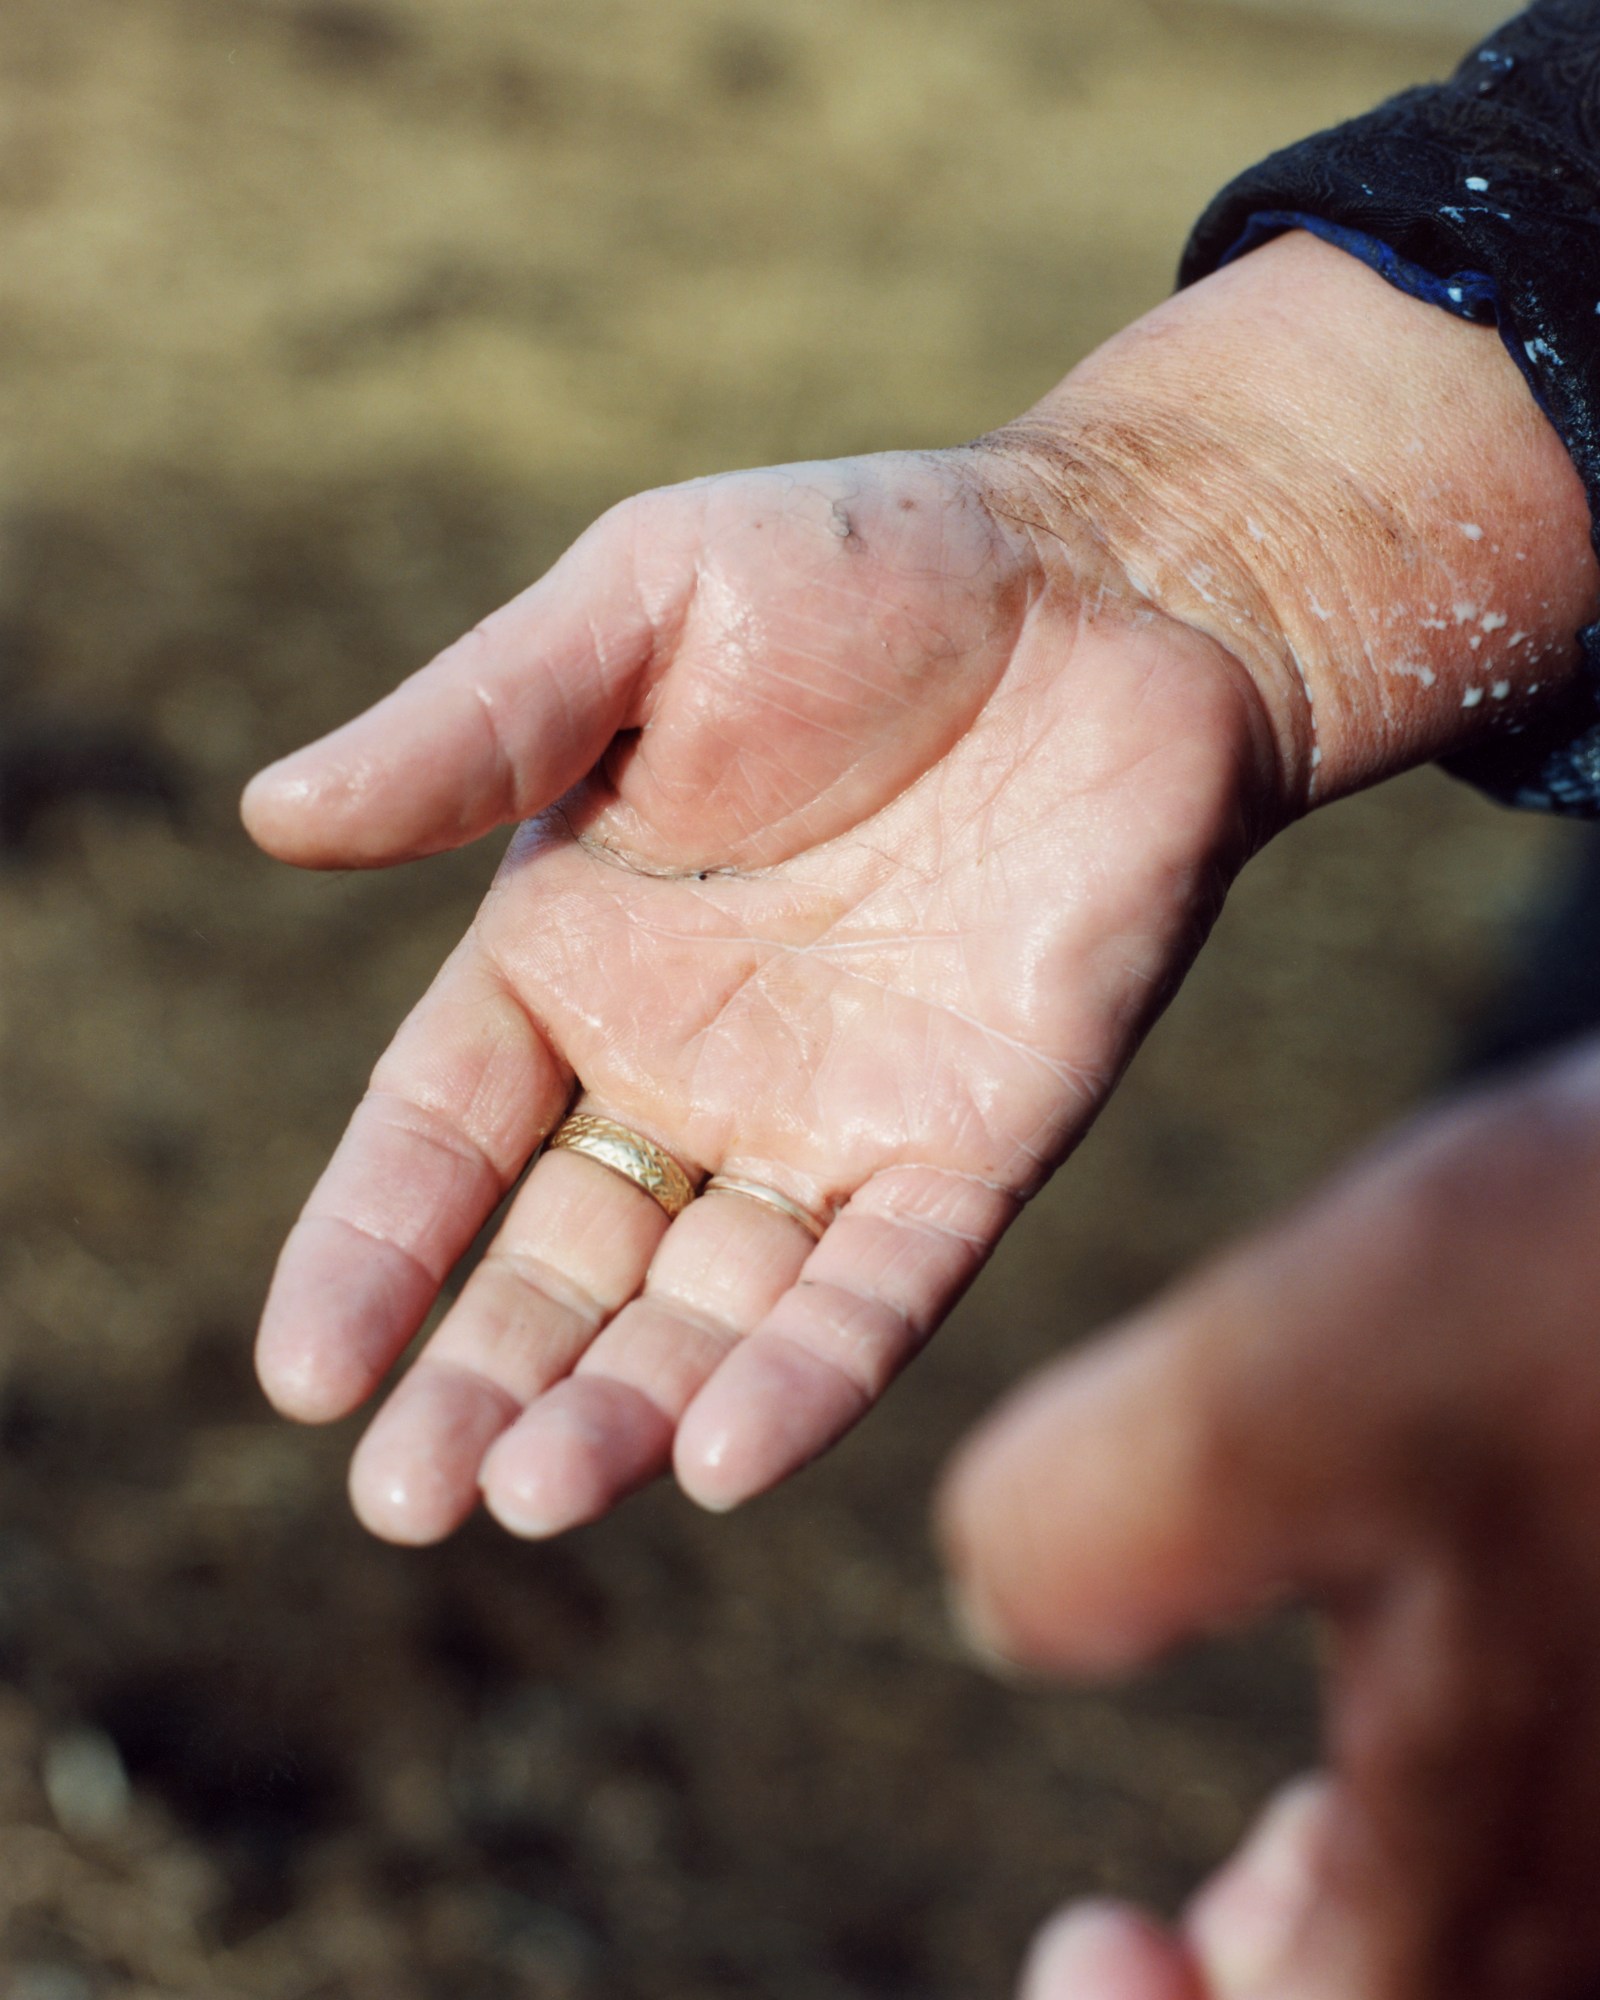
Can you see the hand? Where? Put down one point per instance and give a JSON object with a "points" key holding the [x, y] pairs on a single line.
{"points": [[872, 810], [918, 819], [1388, 1405]]}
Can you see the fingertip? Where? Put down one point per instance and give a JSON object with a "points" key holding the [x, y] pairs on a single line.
{"points": [[329, 1330], [254, 798], [954, 1508], [1247, 1925], [315, 818], [1102, 1951], [409, 1505], [537, 1500], [769, 1410], [302, 1381], [273, 805], [1014, 1534], [1103, 1514], [414, 1476], [579, 1449], [711, 1471], [708, 1462], [982, 1638]]}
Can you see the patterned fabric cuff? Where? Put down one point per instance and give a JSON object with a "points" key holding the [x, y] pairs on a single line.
{"points": [[1459, 196]]}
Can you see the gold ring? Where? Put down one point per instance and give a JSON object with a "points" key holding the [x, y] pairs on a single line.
{"points": [[759, 1191], [627, 1153]]}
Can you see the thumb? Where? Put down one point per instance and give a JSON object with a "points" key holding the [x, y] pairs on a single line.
{"points": [[499, 726]]}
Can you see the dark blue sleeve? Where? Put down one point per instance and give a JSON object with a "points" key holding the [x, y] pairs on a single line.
{"points": [[1482, 196]]}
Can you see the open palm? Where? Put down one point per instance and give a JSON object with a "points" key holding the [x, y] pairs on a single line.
{"points": [[867, 822]]}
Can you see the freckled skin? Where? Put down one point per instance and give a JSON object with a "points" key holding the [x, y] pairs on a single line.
{"points": [[871, 810]]}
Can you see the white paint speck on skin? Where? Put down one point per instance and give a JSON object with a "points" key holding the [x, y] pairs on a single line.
{"points": [[1500, 690], [1472, 531], [1516, 638], [1475, 641], [1494, 621], [1472, 697], [1319, 610], [1464, 610], [1304, 679]]}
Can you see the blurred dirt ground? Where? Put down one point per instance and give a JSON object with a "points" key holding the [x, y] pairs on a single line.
{"points": [[323, 325]]}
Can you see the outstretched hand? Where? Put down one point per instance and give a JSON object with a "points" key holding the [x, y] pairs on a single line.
{"points": [[870, 812], [884, 823], [1388, 1405]]}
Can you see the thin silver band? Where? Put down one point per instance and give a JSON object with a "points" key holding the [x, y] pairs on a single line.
{"points": [[813, 1225]]}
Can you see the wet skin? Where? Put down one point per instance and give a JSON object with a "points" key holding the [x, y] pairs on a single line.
{"points": [[869, 812]]}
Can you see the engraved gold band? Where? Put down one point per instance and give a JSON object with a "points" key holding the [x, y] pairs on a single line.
{"points": [[759, 1191], [627, 1153]]}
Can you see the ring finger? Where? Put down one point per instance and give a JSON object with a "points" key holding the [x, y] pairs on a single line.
{"points": [[574, 1247]]}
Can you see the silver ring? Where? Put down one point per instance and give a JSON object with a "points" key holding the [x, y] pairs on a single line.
{"points": [[813, 1225]]}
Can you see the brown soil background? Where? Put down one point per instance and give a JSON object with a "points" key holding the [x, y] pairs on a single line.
{"points": [[324, 324]]}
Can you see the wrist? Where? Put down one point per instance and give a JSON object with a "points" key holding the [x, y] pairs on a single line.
{"points": [[1353, 492]]}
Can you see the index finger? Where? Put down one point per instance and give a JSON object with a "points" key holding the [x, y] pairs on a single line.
{"points": [[457, 1104]]}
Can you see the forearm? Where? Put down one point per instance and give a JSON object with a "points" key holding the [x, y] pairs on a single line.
{"points": [[1353, 491]]}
